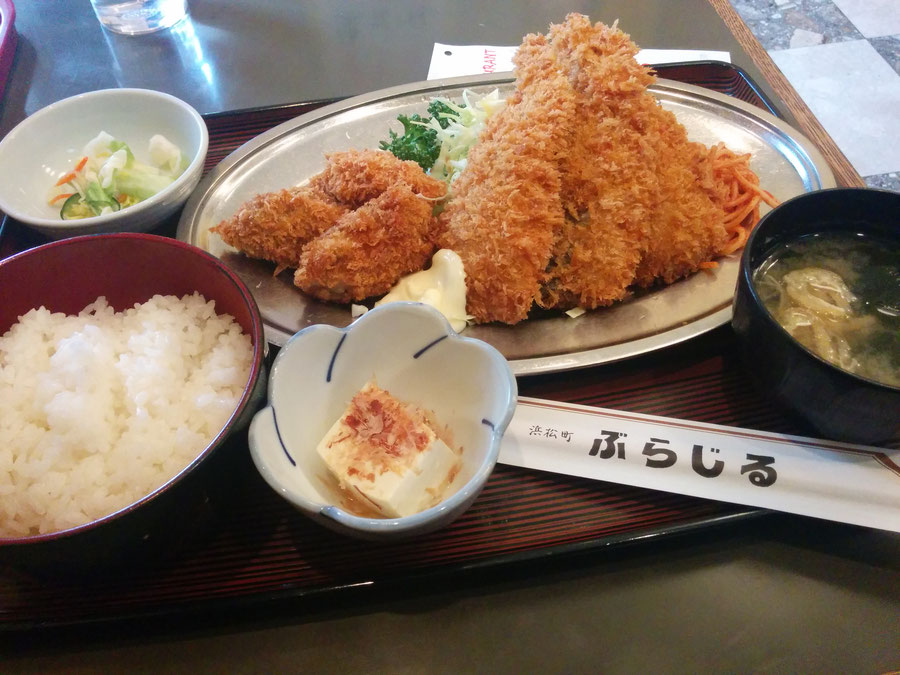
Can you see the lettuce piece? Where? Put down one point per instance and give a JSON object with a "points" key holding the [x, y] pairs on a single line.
{"points": [[115, 146], [98, 199], [139, 182]]}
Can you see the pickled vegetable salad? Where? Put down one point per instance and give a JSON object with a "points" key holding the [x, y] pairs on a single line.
{"points": [[108, 177]]}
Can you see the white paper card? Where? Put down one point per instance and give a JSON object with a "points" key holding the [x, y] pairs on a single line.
{"points": [[457, 60], [656, 57], [824, 479]]}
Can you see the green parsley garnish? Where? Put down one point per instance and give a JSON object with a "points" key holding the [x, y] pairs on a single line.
{"points": [[419, 142]]}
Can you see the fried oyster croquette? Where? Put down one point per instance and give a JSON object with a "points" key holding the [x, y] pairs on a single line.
{"points": [[369, 249], [354, 177], [580, 191], [333, 229], [275, 226]]}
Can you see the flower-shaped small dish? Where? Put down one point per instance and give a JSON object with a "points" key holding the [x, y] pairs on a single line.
{"points": [[47, 145], [410, 350]]}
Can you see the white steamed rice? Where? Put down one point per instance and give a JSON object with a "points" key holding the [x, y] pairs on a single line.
{"points": [[100, 409]]}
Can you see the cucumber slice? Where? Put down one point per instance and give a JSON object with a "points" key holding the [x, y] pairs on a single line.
{"points": [[76, 209]]}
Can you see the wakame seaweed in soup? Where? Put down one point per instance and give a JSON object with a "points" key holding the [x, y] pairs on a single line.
{"points": [[838, 294]]}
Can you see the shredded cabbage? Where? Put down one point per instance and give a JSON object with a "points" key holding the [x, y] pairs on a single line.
{"points": [[465, 124]]}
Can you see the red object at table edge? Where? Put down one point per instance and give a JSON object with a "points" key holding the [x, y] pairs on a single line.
{"points": [[8, 40]]}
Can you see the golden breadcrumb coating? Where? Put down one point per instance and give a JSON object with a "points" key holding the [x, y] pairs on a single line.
{"points": [[687, 227], [275, 226], [638, 197], [580, 190], [369, 249], [506, 213], [353, 177], [609, 185]]}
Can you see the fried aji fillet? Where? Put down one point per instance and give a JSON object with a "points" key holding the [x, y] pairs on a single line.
{"points": [[353, 177], [276, 225], [369, 249], [651, 209], [687, 226], [635, 193], [506, 214], [639, 198], [609, 183]]}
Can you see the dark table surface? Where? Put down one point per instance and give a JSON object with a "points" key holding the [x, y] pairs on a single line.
{"points": [[777, 593], [234, 54]]}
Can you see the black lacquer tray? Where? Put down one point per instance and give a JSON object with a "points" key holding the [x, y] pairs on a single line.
{"points": [[257, 550]]}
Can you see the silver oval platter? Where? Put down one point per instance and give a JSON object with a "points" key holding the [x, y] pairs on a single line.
{"points": [[787, 164]]}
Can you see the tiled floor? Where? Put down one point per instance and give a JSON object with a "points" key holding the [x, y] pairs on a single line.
{"points": [[843, 58]]}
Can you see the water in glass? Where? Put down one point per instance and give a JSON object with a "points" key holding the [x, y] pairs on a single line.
{"points": [[133, 17]]}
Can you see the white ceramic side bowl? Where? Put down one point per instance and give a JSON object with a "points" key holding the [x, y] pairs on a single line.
{"points": [[47, 144], [411, 351]]}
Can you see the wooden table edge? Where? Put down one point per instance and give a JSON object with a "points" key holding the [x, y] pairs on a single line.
{"points": [[844, 172]]}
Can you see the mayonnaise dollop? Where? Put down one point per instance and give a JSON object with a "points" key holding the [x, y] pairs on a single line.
{"points": [[443, 286]]}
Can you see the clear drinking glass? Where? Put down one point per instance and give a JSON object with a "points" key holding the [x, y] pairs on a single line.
{"points": [[134, 17]]}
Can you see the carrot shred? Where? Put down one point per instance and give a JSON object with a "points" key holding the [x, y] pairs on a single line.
{"points": [[64, 195], [65, 179], [81, 163]]}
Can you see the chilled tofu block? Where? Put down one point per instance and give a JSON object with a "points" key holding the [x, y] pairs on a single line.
{"points": [[387, 453]]}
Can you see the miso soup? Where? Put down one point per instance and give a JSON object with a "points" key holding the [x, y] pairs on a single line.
{"points": [[838, 294]]}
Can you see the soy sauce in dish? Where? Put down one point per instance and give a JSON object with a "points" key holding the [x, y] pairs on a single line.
{"points": [[838, 294]]}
